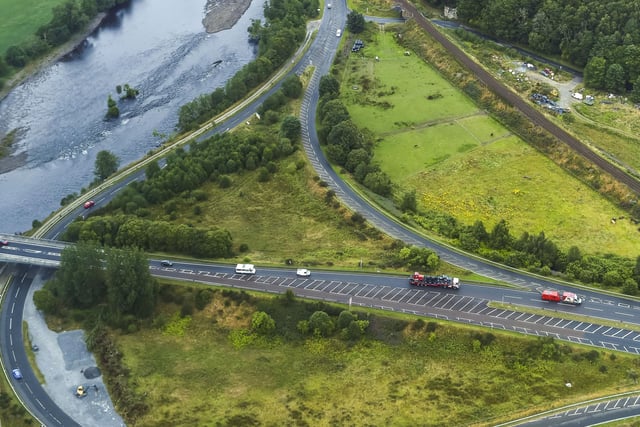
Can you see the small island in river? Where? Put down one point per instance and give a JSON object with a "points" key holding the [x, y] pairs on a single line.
{"points": [[223, 14]]}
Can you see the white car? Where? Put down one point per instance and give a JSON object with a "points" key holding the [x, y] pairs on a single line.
{"points": [[338, 32], [303, 272]]}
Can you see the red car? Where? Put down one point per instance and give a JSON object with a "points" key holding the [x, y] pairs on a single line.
{"points": [[89, 204], [4, 243]]}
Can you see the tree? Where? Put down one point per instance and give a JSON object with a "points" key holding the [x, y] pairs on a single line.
{"points": [[320, 323], [16, 57], [355, 22], [635, 92], [129, 92], [290, 128], [45, 301], [152, 169], [329, 87], [292, 86], [615, 79], [130, 287], [262, 323], [80, 282], [332, 113], [594, 72], [500, 237], [409, 202], [106, 165], [378, 182], [255, 31], [113, 112], [345, 318]]}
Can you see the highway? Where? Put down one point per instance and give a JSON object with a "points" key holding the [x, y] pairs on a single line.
{"points": [[468, 305]]}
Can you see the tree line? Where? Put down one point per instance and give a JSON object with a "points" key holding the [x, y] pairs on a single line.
{"points": [[155, 236], [115, 283], [216, 160], [533, 252], [346, 145], [68, 19], [277, 40], [600, 34]]}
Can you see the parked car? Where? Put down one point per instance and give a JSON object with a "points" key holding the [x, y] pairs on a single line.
{"points": [[338, 32], [16, 374], [89, 204], [166, 263], [303, 272]]}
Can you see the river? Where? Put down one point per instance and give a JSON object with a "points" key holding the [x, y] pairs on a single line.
{"points": [[157, 46]]}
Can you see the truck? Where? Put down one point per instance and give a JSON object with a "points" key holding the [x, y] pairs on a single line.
{"points": [[441, 281], [561, 296]]}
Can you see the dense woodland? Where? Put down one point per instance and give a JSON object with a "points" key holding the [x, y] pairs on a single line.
{"points": [[601, 35]]}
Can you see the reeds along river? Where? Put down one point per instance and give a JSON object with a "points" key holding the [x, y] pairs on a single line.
{"points": [[158, 47]]}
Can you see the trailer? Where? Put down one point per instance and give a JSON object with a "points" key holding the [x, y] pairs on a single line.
{"points": [[561, 296], [441, 281]]}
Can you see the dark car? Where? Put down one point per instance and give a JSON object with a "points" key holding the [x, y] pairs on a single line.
{"points": [[166, 263], [16, 374], [89, 204]]}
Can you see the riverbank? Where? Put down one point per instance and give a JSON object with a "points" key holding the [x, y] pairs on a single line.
{"points": [[9, 161], [223, 14], [50, 58]]}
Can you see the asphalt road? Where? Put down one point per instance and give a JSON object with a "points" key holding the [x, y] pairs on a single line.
{"points": [[14, 354]]}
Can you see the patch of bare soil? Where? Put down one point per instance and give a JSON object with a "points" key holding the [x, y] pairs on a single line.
{"points": [[223, 14]]}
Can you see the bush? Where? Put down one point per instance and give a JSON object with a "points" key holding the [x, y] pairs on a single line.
{"points": [[203, 298]]}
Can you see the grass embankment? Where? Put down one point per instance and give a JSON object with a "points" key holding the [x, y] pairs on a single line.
{"points": [[285, 218], [610, 125], [208, 369], [21, 19], [431, 138]]}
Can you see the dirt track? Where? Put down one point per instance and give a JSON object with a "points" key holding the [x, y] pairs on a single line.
{"points": [[526, 108]]}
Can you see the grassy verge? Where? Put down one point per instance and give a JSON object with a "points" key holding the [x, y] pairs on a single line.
{"points": [[432, 139], [208, 368], [30, 350]]}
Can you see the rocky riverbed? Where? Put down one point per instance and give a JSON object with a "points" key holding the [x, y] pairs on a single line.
{"points": [[223, 14]]}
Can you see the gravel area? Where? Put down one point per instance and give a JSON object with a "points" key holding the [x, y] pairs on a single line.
{"points": [[223, 14], [62, 359]]}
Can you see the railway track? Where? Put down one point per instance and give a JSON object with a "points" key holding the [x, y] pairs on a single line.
{"points": [[522, 105]]}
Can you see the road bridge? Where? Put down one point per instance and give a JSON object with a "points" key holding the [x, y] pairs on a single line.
{"points": [[29, 250]]}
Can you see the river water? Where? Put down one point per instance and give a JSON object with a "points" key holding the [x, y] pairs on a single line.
{"points": [[157, 46]]}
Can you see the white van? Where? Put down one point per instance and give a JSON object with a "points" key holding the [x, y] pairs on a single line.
{"points": [[245, 269], [338, 32]]}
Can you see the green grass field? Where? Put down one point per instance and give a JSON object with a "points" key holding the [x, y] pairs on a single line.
{"points": [[199, 374], [463, 162], [285, 218], [397, 92], [21, 19]]}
